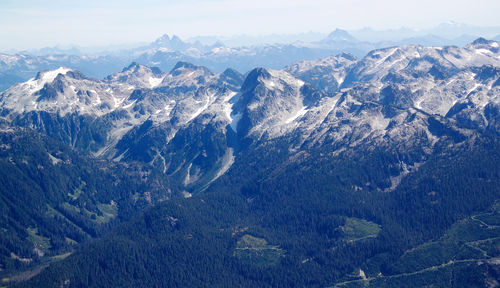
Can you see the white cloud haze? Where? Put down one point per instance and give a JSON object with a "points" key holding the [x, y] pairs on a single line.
{"points": [[32, 23]]}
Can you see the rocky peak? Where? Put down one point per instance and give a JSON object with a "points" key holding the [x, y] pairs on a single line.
{"points": [[271, 102], [233, 78], [271, 80], [186, 67], [483, 46], [138, 76], [174, 43]]}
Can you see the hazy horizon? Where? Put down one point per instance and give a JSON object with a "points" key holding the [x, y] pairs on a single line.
{"points": [[33, 24]]}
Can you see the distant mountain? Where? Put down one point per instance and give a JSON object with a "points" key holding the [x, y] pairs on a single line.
{"points": [[165, 52], [248, 40], [426, 40], [340, 35], [174, 43], [453, 29], [25, 66], [54, 51], [450, 31], [218, 54]]}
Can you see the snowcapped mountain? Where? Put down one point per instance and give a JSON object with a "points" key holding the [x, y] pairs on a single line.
{"points": [[21, 67], [138, 76], [63, 91], [326, 74], [191, 123], [271, 103], [110, 118], [431, 79], [165, 54], [167, 50]]}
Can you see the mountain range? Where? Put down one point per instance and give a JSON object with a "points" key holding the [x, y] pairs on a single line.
{"points": [[346, 170], [218, 53]]}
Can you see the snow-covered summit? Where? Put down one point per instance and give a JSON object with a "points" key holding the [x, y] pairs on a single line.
{"points": [[327, 74], [138, 76], [63, 91], [393, 96]]}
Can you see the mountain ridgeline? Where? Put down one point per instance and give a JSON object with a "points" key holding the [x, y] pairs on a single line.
{"points": [[338, 172]]}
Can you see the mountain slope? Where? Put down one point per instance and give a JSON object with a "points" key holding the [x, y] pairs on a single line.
{"points": [[54, 198], [300, 208]]}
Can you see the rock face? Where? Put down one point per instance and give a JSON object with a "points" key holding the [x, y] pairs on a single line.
{"points": [[192, 123]]}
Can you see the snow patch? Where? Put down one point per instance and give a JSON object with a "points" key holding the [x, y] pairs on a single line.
{"points": [[234, 121], [129, 105], [483, 51], [226, 163], [97, 100], [269, 84], [362, 274], [228, 107], [203, 108], [34, 85], [297, 115], [199, 111], [418, 103], [54, 160], [382, 60], [50, 76], [476, 85], [282, 76], [154, 82], [187, 179], [379, 122]]}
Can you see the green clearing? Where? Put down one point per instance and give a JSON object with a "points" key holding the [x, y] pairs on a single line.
{"points": [[358, 229], [70, 208], [467, 239], [109, 211], [70, 241], [470, 230], [256, 251], [78, 191], [41, 243], [61, 257], [470, 244], [51, 212]]}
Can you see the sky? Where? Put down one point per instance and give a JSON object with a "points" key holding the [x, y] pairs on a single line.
{"points": [[30, 24]]}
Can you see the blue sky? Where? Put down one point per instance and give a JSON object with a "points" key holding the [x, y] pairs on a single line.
{"points": [[26, 24]]}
